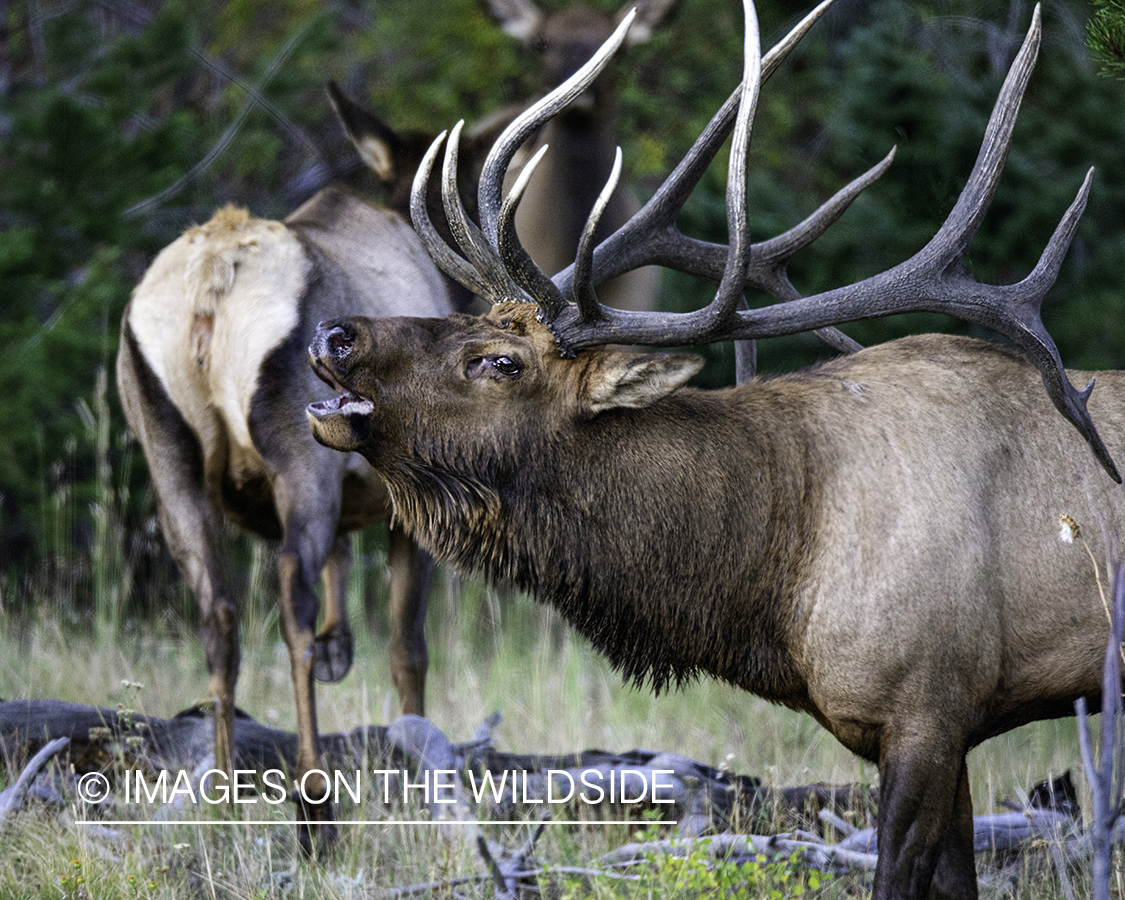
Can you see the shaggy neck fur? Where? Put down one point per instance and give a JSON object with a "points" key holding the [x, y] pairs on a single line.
{"points": [[631, 528]]}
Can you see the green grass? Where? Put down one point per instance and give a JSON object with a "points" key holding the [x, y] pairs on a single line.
{"points": [[487, 653]]}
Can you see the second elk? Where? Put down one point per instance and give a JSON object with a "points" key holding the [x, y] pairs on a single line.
{"points": [[213, 380], [582, 137]]}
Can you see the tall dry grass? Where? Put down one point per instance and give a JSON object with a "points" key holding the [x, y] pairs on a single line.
{"points": [[487, 653]]}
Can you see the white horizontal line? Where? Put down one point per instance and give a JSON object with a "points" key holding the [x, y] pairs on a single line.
{"points": [[110, 823]]}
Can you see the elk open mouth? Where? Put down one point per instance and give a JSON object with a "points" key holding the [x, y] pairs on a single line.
{"points": [[348, 403]]}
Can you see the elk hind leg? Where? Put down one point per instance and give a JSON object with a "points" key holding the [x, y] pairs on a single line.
{"points": [[218, 631], [411, 572], [305, 547], [334, 647]]}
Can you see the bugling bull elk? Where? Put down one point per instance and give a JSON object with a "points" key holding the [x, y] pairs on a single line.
{"points": [[213, 380], [582, 137], [873, 541]]}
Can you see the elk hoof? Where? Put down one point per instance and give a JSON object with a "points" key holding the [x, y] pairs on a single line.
{"points": [[333, 652], [317, 832]]}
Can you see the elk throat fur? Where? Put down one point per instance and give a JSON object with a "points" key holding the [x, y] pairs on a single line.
{"points": [[641, 562]]}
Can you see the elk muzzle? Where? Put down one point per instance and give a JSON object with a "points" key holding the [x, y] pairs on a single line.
{"points": [[342, 422]]}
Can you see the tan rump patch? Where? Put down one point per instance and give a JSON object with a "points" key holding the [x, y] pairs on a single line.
{"points": [[211, 307], [214, 251]]}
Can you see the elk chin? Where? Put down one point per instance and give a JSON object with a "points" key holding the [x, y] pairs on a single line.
{"points": [[342, 423]]}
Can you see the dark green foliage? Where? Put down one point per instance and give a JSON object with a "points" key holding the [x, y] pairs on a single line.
{"points": [[123, 123], [1105, 33]]}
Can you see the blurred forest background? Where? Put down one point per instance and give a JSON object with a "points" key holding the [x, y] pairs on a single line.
{"points": [[122, 122]]}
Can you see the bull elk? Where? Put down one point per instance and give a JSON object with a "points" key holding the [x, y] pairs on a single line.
{"points": [[582, 137], [873, 541], [212, 376]]}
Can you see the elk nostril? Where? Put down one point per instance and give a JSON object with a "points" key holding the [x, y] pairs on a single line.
{"points": [[341, 339]]}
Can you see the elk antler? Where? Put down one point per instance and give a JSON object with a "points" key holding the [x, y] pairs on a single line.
{"points": [[932, 280]]}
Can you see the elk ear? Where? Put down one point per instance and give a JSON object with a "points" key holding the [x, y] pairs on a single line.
{"points": [[519, 18], [376, 142], [626, 380]]}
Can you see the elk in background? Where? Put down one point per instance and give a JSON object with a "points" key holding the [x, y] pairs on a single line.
{"points": [[212, 379], [873, 541], [583, 137]]}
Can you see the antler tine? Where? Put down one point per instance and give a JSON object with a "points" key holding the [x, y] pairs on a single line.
{"points": [[585, 297], [650, 233], [496, 164], [769, 259], [456, 267], [516, 259], [732, 285], [468, 236]]}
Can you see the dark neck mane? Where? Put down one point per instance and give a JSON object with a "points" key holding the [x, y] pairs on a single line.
{"points": [[678, 564]]}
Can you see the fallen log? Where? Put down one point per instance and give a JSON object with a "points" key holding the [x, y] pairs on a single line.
{"points": [[107, 740]]}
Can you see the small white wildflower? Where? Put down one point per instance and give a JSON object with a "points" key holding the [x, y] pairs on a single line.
{"points": [[1068, 529]]}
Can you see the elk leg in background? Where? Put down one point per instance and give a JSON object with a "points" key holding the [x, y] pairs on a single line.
{"points": [[411, 571], [190, 525], [304, 550], [334, 647]]}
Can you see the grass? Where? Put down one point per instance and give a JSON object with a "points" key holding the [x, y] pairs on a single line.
{"points": [[487, 653]]}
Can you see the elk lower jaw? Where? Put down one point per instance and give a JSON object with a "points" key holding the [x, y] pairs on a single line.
{"points": [[342, 422]]}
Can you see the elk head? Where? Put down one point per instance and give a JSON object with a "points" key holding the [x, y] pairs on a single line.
{"points": [[481, 375], [565, 40]]}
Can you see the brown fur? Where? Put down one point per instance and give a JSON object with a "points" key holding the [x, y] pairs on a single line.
{"points": [[873, 541]]}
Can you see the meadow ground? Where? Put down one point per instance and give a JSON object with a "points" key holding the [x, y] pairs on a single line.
{"points": [[487, 653]]}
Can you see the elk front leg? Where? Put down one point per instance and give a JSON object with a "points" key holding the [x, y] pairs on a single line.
{"points": [[334, 647], [316, 831], [411, 570], [925, 822]]}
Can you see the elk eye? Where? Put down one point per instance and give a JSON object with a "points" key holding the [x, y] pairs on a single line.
{"points": [[503, 366], [506, 366]]}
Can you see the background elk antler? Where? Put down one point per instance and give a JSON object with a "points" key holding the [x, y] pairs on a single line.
{"points": [[490, 260]]}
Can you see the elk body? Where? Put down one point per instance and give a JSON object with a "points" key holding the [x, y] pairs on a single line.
{"points": [[213, 380], [873, 541]]}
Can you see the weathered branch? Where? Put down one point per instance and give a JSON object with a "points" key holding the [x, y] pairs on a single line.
{"points": [[12, 798]]}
